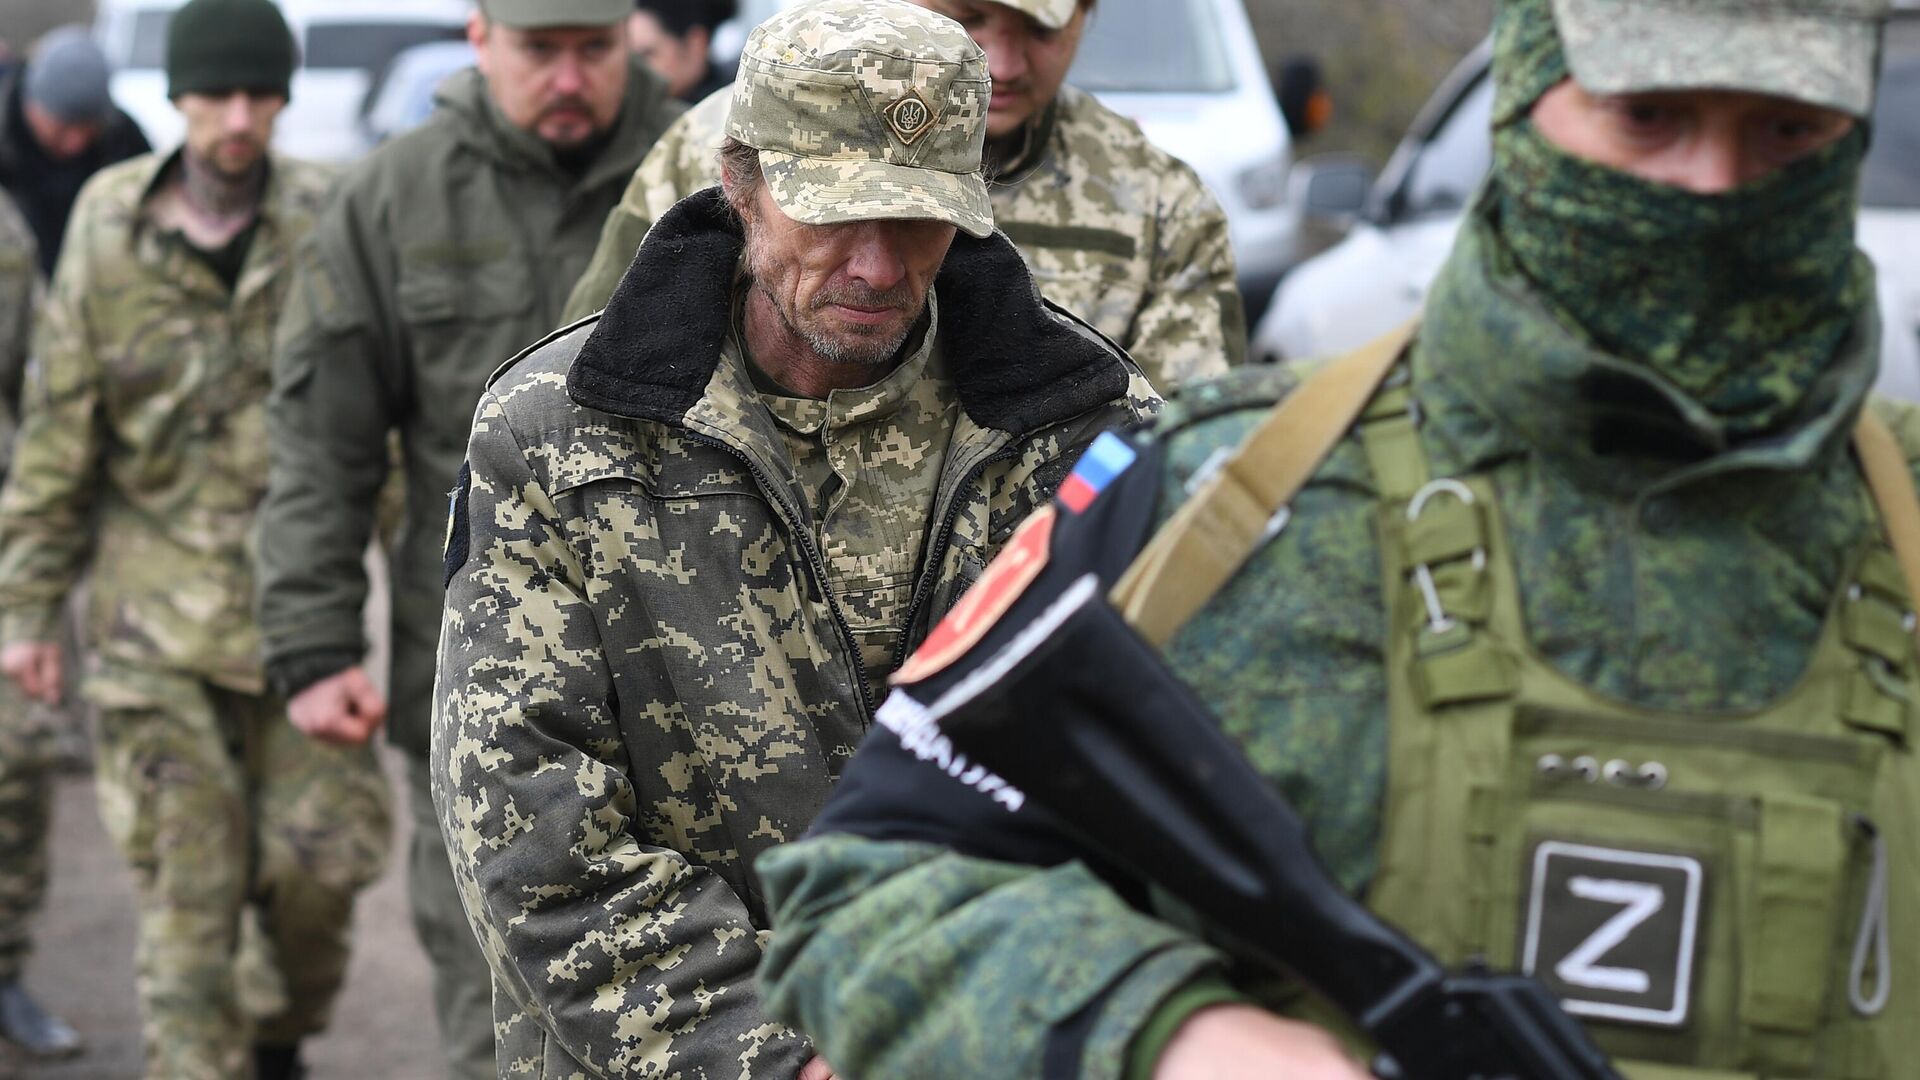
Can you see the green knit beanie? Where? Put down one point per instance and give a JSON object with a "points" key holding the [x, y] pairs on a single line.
{"points": [[215, 46]]}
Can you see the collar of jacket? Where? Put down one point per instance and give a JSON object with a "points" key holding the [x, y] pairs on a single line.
{"points": [[1038, 146], [1498, 375], [1018, 363], [482, 127]]}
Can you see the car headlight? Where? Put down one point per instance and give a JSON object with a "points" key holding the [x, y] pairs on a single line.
{"points": [[1264, 186]]}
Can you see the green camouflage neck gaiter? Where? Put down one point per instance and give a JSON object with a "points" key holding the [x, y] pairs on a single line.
{"points": [[1739, 300]]}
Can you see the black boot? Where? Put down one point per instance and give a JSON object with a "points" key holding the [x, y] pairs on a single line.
{"points": [[31, 1028], [278, 1062]]}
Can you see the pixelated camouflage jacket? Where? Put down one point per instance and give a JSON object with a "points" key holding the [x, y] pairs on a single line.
{"points": [[20, 295], [1658, 565], [449, 250], [1115, 230], [642, 683], [142, 449]]}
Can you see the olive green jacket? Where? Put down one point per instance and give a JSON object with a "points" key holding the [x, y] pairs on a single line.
{"points": [[20, 296], [644, 678], [448, 251], [142, 447], [1114, 229]]}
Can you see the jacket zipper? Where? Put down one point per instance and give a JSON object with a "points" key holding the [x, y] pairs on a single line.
{"points": [[938, 551], [817, 565]]}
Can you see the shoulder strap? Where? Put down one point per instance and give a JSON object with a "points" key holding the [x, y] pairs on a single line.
{"points": [[1212, 534], [1891, 481]]}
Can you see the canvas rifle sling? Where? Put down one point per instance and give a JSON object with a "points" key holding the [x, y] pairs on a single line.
{"points": [[1891, 481]]}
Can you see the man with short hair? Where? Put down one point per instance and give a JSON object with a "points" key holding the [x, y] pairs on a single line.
{"points": [[698, 533], [141, 465], [1586, 649], [675, 38], [59, 126], [1114, 229], [447, 251]]}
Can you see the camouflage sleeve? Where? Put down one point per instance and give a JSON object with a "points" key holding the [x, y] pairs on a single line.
{"points": [[336, 394], [1193, 324], [633, 960], [20, 295], [57, 456], [682, 162]]}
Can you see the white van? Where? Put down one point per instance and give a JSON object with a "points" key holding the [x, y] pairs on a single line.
{"points": [[1190, 73], [343, 44]]}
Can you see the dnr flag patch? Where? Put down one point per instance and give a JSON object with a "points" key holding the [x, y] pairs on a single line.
{"points": [[1105, 460]]}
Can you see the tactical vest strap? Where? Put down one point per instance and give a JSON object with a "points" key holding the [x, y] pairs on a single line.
{"points": [[1207, 540], [1892, 483]]}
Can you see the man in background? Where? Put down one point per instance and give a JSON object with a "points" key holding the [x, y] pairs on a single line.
{"points": [[1115, 230], [446, 252], [58, 127], [675, 38]]}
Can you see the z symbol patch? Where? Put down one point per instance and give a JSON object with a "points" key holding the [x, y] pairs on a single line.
{"points": [[1614, 933]]}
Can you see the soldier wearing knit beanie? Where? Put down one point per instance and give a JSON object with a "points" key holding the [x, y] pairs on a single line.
{"points": [[216, 45]]}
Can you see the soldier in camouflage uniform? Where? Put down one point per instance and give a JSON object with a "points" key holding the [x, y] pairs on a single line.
{"points": [[449, 250], [1114, 229], [141, 463], [1584, 651], [26, 744], [700, 530]]}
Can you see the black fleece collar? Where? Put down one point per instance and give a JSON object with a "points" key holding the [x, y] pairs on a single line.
{"points": [[1017, 363]]}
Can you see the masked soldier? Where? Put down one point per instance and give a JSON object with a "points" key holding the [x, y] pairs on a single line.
{"points": [[449, 250], [1584, 649], [701, 530], [1114, 229], [141, 461], [26, 750]]}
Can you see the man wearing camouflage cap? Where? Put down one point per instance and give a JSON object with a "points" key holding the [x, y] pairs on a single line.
{"points": [[1114, 229], [1585, 647], [448, 250], [700, 530], [139, 468]]}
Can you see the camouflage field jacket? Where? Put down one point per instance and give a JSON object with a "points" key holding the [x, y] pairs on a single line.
{"points": [[142, 450], [20, 297], [1114, 229], [643, 682]]}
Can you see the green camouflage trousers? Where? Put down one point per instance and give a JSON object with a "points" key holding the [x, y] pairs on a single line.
{"points": [[26, 793], [228, 815]]}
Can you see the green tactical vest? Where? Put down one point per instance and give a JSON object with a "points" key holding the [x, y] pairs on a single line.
{"points": [[1714, 895]]}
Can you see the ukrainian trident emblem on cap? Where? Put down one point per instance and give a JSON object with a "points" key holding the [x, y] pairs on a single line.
{"points": [[910, 117]]}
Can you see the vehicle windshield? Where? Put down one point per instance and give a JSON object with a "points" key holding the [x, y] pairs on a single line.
{"points": [[1166, 47], [1451, 166], [1893, 165], [369, 46], [149, 49]]}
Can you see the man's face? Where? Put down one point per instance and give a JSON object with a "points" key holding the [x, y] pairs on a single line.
{"points": [[681, 61], [1705, 141], [850, 292], [62, 140], [563, 84], [1028, 62], [229, 131]]}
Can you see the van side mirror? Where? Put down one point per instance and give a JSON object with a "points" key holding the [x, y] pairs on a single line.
{"points": [[1305, 102], [1331, 189]]}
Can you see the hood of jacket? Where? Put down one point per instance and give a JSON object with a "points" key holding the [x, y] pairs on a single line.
{"points": [[1019, 363]]}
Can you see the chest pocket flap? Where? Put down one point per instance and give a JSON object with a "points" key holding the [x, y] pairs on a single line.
{"points": [[468, 282]]}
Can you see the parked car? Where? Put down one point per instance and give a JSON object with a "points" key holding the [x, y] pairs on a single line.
{"points": [[343, 44], [1189, 73], [1404, 226]]}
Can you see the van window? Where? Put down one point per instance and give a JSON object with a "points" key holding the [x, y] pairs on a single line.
{"points": [[1171, 46], [1455, 159], [1893, 165], [369, 46], [149, 38]]}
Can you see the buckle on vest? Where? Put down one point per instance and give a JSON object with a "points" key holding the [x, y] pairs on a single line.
{"points": [[1438, 621]]}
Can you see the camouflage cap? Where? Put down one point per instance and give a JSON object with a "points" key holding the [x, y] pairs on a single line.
{"points": [[540, 14], [1822, 52], [1052, 14], [865, 109]]}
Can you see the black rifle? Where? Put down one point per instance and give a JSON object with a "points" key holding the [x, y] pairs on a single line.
{"points": [[1065, 702]]}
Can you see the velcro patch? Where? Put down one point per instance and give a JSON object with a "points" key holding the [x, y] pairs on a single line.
{"points": [[1019, 563], [1614, 933]]}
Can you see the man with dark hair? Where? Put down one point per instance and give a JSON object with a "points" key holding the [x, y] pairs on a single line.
{"points": [[1114, 229], [58, 127], [141, 465], [675, 38], [698, 533], [447, 251]]}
